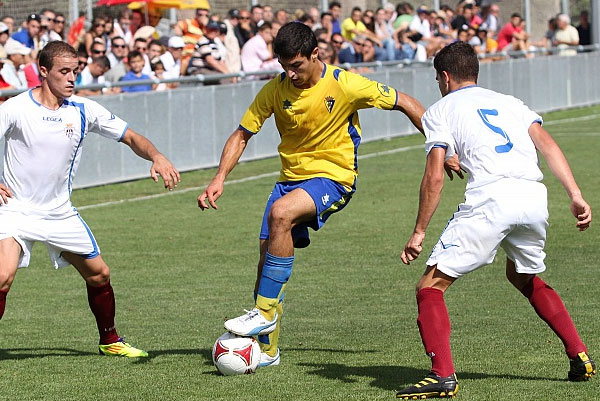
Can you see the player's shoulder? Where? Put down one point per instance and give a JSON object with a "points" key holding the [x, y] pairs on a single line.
{"points": [[19, 102]]}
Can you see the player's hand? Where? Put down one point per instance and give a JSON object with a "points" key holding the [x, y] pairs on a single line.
{"points": [[582, 211], [453, 166], [5, 193], [213, 191], [163, 167], [413, 248]]}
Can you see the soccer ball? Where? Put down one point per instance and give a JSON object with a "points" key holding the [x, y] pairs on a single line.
{"points": [[236, 355]]}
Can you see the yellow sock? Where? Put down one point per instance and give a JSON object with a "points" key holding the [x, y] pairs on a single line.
{"points": [[270, 348]]}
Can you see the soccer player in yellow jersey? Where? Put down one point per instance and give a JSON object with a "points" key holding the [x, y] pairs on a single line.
{"points": [[316, 112]]}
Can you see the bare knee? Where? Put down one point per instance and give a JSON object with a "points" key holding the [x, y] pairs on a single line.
{"points": [[279, 218], [6, 279], [99, 277]]}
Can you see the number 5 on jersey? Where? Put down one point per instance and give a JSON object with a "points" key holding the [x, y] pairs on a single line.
{"points": [[484, 113]]}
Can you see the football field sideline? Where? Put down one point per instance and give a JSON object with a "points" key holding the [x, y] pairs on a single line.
{"points": [[275, 173]]}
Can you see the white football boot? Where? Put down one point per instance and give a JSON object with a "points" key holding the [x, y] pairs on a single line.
{"points": [[266, 360], [253, 323]]}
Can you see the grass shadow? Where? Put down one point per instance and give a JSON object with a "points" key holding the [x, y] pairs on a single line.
{"points": [[30, 353], [396, 377]]}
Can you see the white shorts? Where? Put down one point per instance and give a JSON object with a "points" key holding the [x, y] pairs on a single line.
{"points": [[60, 232], [510, 213]]}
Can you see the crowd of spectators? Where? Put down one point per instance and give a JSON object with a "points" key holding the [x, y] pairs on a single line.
{"points": [[135, 45]]}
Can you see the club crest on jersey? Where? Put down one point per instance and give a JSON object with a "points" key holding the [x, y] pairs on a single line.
{"points": [[69, 130], [329, 102], [287, 105], [383, 89]]}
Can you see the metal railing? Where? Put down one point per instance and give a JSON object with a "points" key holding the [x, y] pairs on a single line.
{"points": [[215, 78]]}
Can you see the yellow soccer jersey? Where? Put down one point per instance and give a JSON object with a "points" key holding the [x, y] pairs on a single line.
{"points": [[319, 126]]}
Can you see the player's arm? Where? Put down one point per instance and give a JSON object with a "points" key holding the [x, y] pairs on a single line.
{"points": [[560, 168], [232, 151], [429, 198], [410, 106], [142, 147]]}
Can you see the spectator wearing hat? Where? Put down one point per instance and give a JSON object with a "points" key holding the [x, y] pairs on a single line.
{"points": [[10, 22], [257, 54], [29, 34], [136, 65], [191, 30], [4, 34], [206, 58], [3, 83], [171, 59], [94, 74], [11, 69]]}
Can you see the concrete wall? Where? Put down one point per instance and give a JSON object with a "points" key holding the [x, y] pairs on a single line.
{"points": [[190, 125]]}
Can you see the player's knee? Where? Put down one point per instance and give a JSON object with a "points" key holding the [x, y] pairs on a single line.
{"points": [[101, 277], [6, 280], [279, 217]]}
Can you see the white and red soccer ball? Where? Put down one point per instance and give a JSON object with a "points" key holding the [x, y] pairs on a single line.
{"points": [[236, 355]]}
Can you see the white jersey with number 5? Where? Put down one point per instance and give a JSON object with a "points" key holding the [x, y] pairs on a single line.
{"points": [[43, 147], [488, 130]]}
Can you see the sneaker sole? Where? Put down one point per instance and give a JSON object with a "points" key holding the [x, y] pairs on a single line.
{"points": [[430, 394], [261, 330]]}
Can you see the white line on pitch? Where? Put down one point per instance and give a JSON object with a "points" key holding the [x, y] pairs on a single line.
{"points": [[573, 119], [275, 173], [238, 181]]}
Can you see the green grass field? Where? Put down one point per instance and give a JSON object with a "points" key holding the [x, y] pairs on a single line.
{"points": [[350, 328]]}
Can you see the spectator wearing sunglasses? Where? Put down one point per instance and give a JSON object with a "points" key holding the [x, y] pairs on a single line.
{"points": [[243, 30], [95, 33], [47, 33], [59, 25], [82, 62], [191, 30], [116, 56]]}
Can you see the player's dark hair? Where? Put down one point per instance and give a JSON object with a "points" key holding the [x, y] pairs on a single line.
{"points": [[459, 60], [293, 39], [55, 49]]}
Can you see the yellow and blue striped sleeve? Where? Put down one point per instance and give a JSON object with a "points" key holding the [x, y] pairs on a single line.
{"points": [[364, 93], [260, 109]]}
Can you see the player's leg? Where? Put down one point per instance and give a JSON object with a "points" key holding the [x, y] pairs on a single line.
{"points": [[10, 252], [289, 210], [550, 307], [101, 299], [434, 328], [268, 342]]}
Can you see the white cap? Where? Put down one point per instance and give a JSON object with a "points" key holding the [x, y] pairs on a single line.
{"points": [[3, 27], [176, 42], [14, 47]]}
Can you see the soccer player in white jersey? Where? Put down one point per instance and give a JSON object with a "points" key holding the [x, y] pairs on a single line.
{"points": [[496, 138], [44, 129]]}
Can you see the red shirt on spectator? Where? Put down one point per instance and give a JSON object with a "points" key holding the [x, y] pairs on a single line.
{"points": [[505, 36], [32, 75]]}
